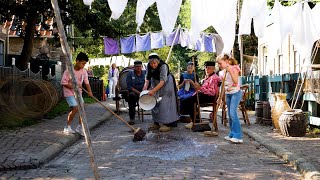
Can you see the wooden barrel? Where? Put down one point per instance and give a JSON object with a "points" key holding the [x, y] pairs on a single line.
{"points": [[259, 111], [293, 123], [266, 120]]}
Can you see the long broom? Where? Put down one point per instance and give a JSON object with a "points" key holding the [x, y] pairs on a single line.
{"points": [[138, 132], [214, 121], [199, 127]]}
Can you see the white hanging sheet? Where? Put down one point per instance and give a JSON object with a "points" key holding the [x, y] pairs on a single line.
{"points": [[142, 6], [305, 33], [222, 16], [256, 10], [168, 13], [117, 7]]}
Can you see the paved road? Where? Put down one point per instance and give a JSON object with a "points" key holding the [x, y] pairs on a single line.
{"points": [[179, 154]]}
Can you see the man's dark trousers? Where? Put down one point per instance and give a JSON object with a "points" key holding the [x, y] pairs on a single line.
{"points": [[133, 98]]}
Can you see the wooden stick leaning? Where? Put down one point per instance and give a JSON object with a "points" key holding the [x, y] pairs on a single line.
{"points": [[67, 53], [138, 132], [214, 121], [199, 126]]}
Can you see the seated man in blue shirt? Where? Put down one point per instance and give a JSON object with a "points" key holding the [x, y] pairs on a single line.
{"points": [[135, 83]]}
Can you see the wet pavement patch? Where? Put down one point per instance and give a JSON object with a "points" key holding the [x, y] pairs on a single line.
{"points": [[167, 147]]}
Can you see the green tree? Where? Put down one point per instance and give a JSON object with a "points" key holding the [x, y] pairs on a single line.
{"points": [[31, 13]]}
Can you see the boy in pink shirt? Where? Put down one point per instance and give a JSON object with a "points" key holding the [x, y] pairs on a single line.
{"points": [[81, 76]]}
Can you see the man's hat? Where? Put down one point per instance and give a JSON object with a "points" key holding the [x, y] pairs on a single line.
{"points": [[154, 56], [209, 63], [190, 63], [137, 63]]}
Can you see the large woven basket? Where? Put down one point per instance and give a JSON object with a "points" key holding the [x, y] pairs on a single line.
{"points": [[293, 123]]}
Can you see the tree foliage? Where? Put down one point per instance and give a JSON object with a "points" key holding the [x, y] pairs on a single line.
{"points": [[29, 13]]}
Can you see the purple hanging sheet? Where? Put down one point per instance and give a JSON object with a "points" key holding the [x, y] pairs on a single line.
{"points": [[111, 46]]}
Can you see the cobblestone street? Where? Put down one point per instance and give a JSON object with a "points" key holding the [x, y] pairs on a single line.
{"points": [[225, 160]]}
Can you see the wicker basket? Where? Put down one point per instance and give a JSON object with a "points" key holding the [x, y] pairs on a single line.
{"points": [[293, 123]]}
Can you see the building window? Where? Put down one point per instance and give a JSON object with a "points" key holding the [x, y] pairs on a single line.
{"points": [[296, 61], [265, 65], [1, 53], [280, 64]]}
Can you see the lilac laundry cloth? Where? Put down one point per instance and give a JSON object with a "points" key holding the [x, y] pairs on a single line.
{"points": [[157, 40], [170, 38], [199, 45], [143, 43], [184, 39], [208, 42], [111, 46], [128, 44]]}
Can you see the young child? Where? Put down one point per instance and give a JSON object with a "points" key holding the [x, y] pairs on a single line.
{"points": [[81, 76], [233, 95]]}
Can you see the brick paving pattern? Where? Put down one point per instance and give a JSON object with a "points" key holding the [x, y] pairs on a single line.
{"points": [[22, 148], [230, 161], [19, 148]]}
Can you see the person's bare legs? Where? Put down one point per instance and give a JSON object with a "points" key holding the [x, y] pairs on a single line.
{"points": [[71, 115]]}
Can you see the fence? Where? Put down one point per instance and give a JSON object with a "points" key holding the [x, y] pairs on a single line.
{"points": [[97, 88], [260, 87]]}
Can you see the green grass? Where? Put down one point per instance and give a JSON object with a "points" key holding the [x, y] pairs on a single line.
{"points": [[61, 108], [313, 132], [89, 100]]}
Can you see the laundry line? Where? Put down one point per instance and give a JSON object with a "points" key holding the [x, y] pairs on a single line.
{"points": [[122, 61]]}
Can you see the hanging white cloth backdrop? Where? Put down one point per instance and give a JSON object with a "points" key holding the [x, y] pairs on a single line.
{"points": [[142, 6], [168, 13], [256, 10], [222, 15], [117, 7], [305, 32], [300, 21], [284, 20]]}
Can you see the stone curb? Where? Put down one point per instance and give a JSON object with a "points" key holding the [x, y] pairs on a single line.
{"points": [[50, 152], [304, 167]]}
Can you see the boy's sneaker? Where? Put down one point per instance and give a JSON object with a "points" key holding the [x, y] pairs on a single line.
{"points": [[227, 138], [236, 141], [68, 130], [79, 130]]}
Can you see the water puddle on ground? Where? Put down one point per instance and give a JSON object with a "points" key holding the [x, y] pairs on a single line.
{"points": [[167, 147]]}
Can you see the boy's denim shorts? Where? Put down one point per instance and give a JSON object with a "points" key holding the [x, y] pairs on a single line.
{"points": [[72, 102]]}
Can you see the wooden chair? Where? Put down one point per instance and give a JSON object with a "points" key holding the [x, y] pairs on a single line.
{"points": [[242, 106], [213, 105]]}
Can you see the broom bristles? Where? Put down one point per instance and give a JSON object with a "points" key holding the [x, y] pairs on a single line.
{"points": [[139, 135]]}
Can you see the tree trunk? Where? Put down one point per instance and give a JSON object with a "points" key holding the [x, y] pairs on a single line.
{"points": [[22, 62]]}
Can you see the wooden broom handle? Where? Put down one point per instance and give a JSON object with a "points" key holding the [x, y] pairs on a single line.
{"points": [[134, 129], [195, 80], [219, 98]]}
